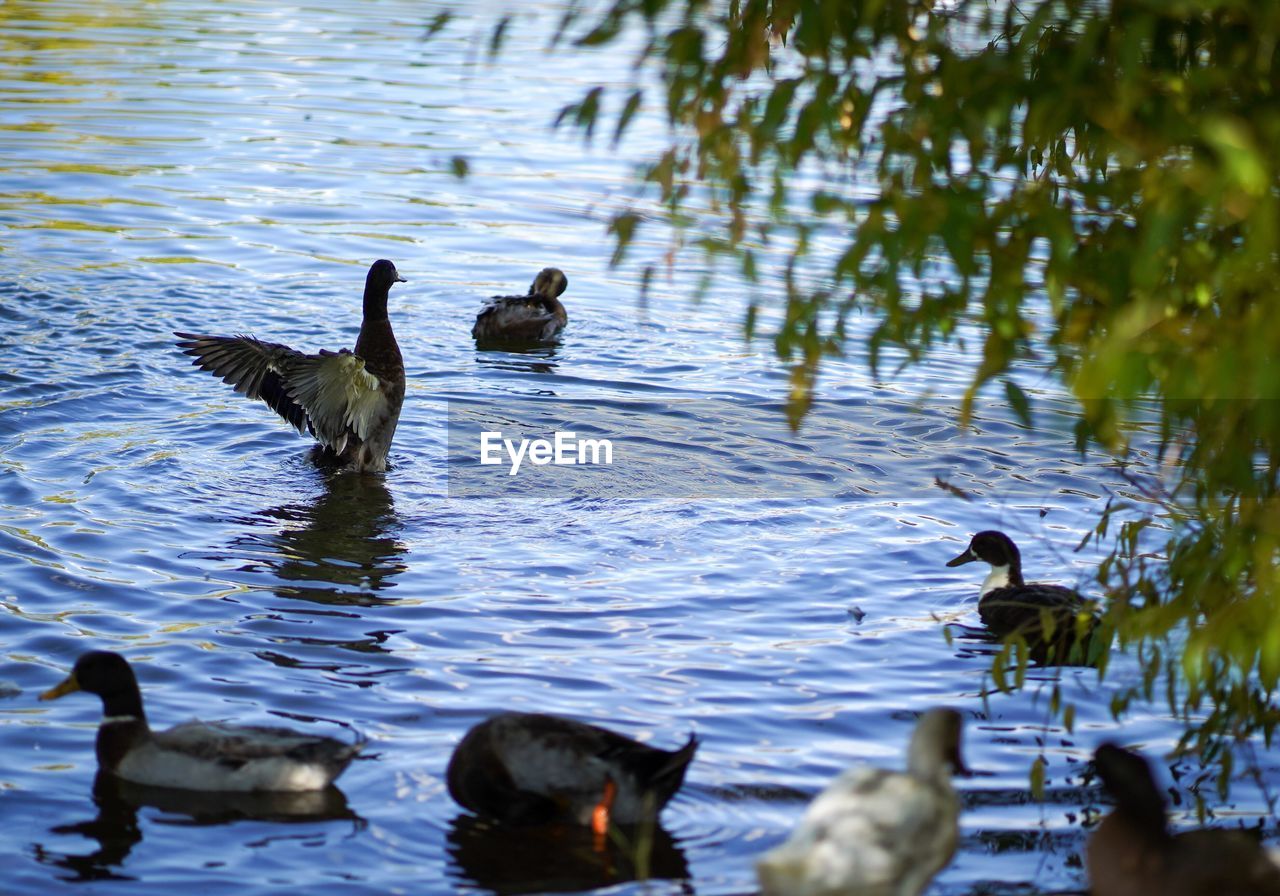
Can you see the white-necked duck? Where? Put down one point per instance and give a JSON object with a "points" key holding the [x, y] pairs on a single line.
{"points": [[197, 755], [1058, 624]]}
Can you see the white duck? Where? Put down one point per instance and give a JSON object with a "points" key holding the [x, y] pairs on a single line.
{"points": [[874, 832]]}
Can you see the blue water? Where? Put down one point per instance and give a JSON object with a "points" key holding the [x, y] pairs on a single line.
{"points": [[235, 167]]}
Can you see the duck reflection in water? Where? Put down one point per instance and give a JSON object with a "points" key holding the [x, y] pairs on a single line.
{"points": [[564, 858], [117, 829], [340, 548], [522, 359], [984, 645]]}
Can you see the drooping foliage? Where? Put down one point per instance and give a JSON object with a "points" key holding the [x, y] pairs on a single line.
{"points": [[1095, 181]]}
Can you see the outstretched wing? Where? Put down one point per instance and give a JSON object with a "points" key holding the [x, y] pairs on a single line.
{"points": [[330, 394], [251, 367], [338, 393]]}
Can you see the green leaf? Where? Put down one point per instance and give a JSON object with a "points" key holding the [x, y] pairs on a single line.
{"points": [[1019, 402], [498, 36], [778, 104], [628, 112], [437, 24], [623, 227], [606, 31], [999, 664], [1037, 779]]}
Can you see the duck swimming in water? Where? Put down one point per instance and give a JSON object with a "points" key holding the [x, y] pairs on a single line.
{"points": [[875, 832], [536, 317], [1058, 623], [349, 400], [197, 755], [531, 768], [1132, 853]]}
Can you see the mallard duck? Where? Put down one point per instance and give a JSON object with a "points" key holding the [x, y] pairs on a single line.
{"points": [[1132, 853], [1009, 605], [530, 768], [197, 755], [875, 832], [536, 317], [350, 401]]}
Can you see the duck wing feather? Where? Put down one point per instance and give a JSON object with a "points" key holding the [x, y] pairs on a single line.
{"points": [[251, 367], [1059, 626], [340, 396], [530, 767], [516, 318], [206, 756], [329, 394], [239, 744], [1006, 610]]}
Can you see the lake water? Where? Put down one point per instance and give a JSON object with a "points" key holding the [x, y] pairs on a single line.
{"points": [[235, 167]]}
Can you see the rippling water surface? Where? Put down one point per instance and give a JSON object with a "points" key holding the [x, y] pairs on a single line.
{"points": [[234, 167]]}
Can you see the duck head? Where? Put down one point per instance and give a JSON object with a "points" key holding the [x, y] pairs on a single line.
{"points": [[377, 284], [997, 550], [550, 282], [935, 744], [108, 675], [1128, 778], [383, 275]]}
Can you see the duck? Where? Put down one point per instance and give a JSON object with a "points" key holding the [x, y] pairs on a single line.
{"points": [[1132, 852], [203, 756], [522, 768], [1008, 605], [536, 317], [348, 400], [876, 832]]}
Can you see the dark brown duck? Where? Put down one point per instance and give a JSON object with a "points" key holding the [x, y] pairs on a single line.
{"points": [[530, 768], [349, 400], [533, 318], [1132, 852]]}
